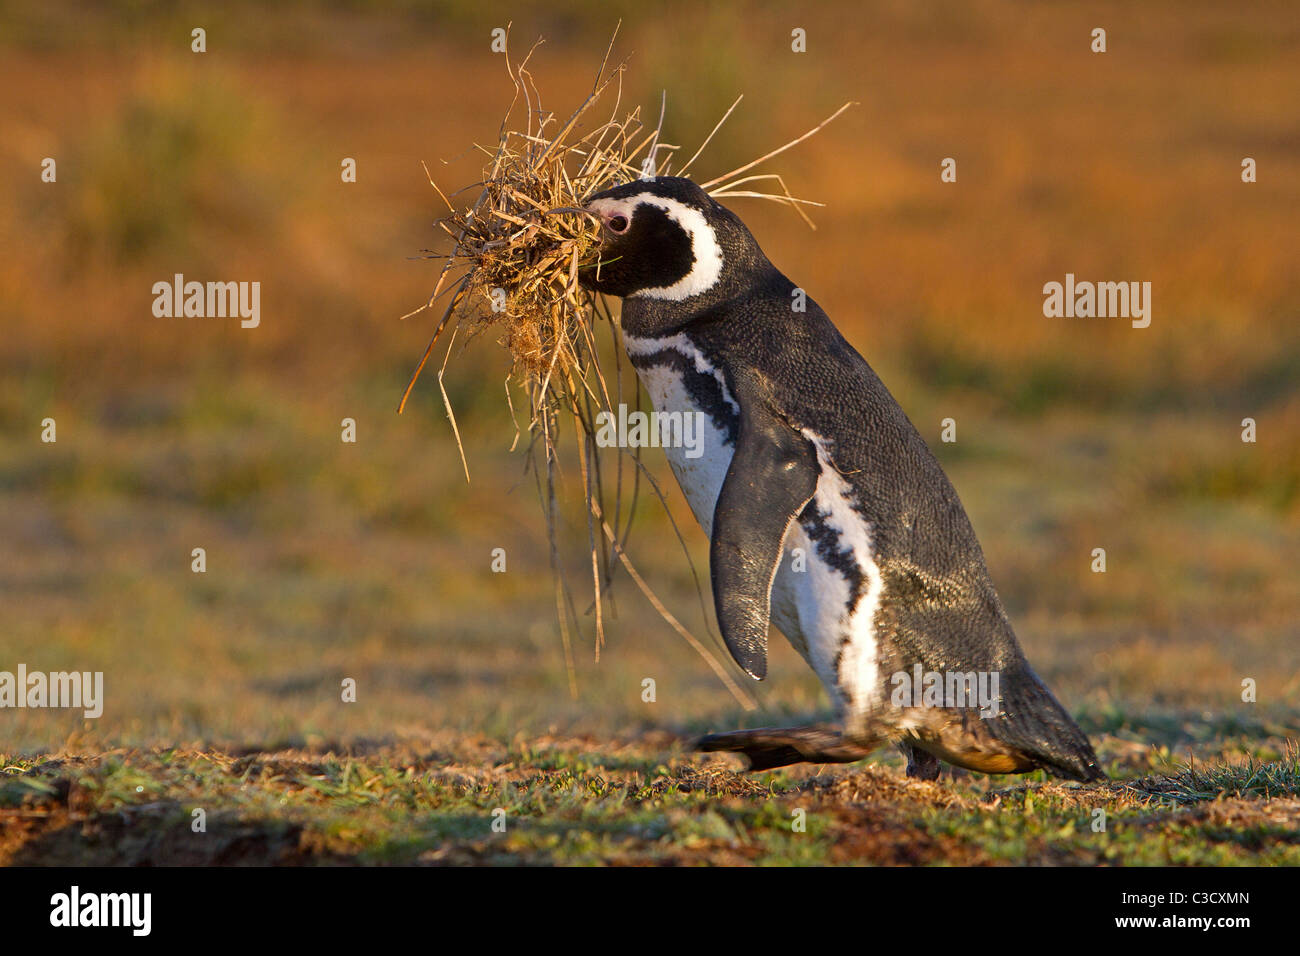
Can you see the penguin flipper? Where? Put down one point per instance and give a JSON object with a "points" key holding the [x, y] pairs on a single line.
{"points": [[772, 475]]}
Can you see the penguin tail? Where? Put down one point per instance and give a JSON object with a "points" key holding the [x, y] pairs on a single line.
{"points": [[1033, 723]]}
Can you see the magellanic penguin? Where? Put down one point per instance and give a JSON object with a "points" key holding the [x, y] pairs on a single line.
{"points": [[806, 454]]}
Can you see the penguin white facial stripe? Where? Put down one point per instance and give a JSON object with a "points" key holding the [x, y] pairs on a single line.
{"points": [[707, 267]]}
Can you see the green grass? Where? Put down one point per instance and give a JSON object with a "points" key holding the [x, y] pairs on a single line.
{"points": [[563, 801]]}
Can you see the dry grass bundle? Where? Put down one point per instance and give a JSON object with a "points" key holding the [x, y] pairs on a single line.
{"points": [[520, 245]]}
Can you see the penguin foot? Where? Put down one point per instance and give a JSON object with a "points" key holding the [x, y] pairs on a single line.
{"points": [[921, 764], [770, 747]]}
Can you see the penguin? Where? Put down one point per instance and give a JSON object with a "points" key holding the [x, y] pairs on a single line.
{"points": [[826, 512]]}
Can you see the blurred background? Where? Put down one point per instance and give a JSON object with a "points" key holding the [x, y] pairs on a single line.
{"points": [[372, 560]]}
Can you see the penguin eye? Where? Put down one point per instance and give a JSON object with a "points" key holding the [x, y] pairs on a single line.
{"points": [[617, 224]]}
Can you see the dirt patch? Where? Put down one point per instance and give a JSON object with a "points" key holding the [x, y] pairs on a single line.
{"points": [[884, 836], [55, 825], [878, 785]]}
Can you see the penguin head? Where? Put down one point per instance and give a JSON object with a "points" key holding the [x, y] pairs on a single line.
{"points": [[666, 238]]}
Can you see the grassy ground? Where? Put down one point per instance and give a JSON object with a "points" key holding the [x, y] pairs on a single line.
{"points": [[457, 799], [372, 561]]}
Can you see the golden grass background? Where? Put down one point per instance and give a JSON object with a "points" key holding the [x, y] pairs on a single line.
{"points": [[371, 561]]}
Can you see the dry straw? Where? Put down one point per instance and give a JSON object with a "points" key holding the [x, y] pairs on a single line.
{"points": [[513, 265]]}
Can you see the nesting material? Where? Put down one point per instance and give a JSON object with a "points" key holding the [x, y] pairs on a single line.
{"points": [[513, 267]]}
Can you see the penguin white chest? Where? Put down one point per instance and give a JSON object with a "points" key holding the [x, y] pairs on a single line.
{"points": [[827, 587], [681, 382]]}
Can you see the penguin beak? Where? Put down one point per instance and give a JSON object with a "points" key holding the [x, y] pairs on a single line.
{"points": [[578, 209], [573, 209]]}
